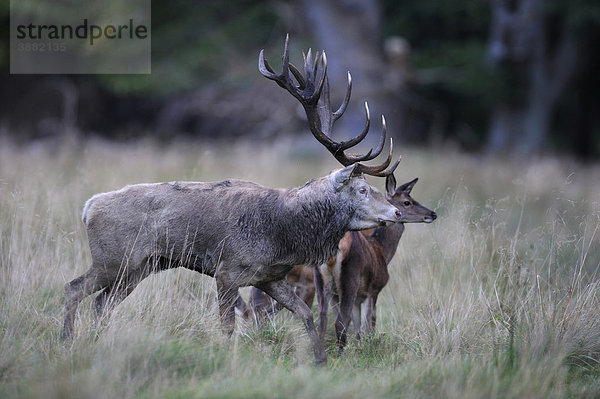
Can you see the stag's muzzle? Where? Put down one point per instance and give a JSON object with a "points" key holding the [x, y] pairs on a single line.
{"points": [[395, 218]]}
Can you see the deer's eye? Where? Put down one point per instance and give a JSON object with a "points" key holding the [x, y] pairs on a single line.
{"points": [[406, 203]]}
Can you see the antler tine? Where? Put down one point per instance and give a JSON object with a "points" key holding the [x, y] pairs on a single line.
{"points": [[372, 153], [337, 114], [298, 75], [283, 78], [352, 142], [390, 170], [286, 57], [264, 67], [309, 69], [319, 88], [378, 170], [381, 143]]}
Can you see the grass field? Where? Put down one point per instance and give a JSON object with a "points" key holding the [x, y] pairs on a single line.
{"points": [[500, 297]]}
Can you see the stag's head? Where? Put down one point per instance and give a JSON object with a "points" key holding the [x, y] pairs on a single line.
{"points": [[412, 211], [370, 208]]}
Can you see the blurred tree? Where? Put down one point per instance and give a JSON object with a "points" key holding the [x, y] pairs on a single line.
{"points": [[350, 31], [452, 90], [538, 47]]}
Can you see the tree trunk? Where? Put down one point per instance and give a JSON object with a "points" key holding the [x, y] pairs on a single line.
{"points": [[518, 41]]}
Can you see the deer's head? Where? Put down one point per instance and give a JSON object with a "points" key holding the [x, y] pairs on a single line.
{"points": [[370, 208], [412, 211]]}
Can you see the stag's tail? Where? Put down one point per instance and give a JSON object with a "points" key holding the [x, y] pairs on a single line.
{"points": [[86, 207]]}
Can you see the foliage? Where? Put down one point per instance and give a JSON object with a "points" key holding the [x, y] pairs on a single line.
{"points": [[497, 298], [448, 41]]}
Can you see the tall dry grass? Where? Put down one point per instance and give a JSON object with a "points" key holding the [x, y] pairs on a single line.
{"points": [[498, 298]]}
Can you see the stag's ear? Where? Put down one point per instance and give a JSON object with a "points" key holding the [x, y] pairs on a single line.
{"points": [[407, 187], [341, 177], [390, 185]]}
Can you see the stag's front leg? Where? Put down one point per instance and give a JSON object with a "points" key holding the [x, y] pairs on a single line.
{"points": [[283, 293], [227, 294]]}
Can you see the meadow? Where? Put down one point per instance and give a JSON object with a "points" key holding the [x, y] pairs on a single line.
{"points": [[498, 298]]}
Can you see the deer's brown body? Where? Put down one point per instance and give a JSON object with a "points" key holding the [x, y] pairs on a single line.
{"points": [[354, 278]]}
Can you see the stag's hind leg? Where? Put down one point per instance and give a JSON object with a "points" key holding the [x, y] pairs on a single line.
{"points": [[227, 295], [76, 290], [115, 293], [283, 293]]}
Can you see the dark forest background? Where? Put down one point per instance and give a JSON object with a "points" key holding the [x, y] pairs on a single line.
{"points": [[499, 76]]}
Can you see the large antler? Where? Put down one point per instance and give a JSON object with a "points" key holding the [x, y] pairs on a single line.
{"points": [[312, 90]]}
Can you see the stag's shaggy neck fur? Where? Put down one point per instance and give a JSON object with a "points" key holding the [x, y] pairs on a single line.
{"points": [[312, 226]]}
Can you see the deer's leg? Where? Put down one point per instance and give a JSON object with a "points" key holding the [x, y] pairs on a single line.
{"points": [[342, 322], [356, 320], [307, 293], [365, 315], [242, 308], [368, 316], [114, 294], [283, 293], [372, 313], [100, 303], [227, 294], [261, 304], [76, 290], [305, 288], [257, 299], [347, 290], [323, 294]]}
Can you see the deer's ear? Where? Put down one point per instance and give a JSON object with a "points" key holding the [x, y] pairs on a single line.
{"points": [[341, 177], [407, 187], [390, 185]]}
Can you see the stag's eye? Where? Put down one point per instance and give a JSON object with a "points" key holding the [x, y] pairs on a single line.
{"points": [[406, 203]]}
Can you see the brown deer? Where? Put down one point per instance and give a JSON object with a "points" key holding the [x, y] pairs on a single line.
{"points": [[359, 271], [239, 232]]}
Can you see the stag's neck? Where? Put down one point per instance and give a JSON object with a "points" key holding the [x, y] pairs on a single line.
{"points": [[316, 222], [388, 238]]}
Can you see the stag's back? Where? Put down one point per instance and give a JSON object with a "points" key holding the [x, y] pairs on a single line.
{"points": [[177, 220]]}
